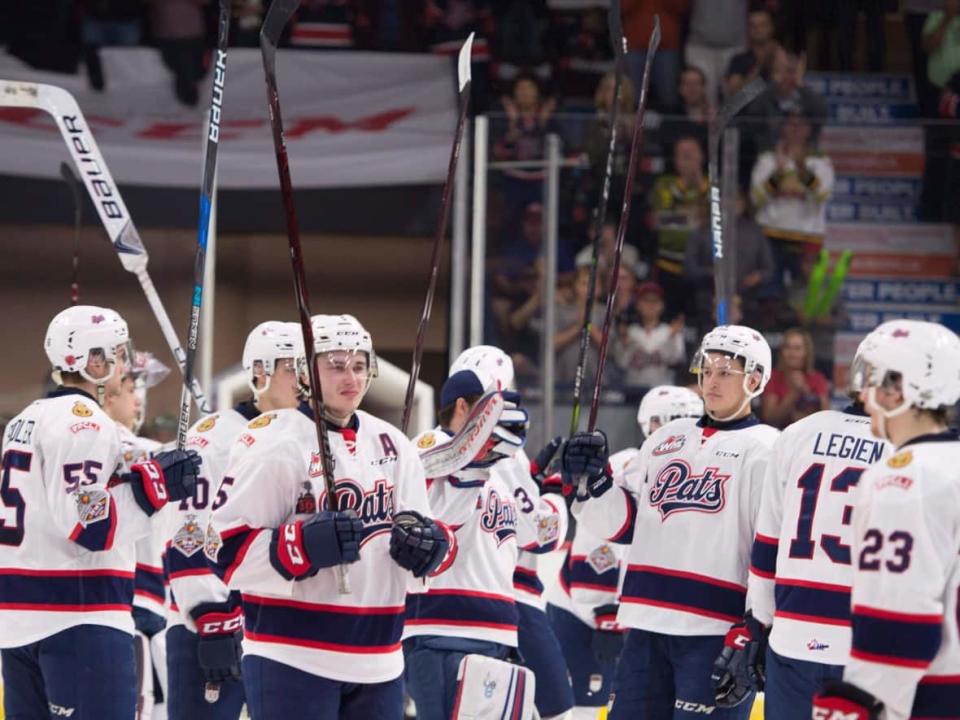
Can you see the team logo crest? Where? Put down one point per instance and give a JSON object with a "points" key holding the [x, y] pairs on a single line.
{"points": [[499, 518], [93, 506], [213, 543], [427, 441], [189, 537], [548, 530], [670, 445], [306, 502], [489, 687], [262, 421], [901, 459], [207, 425], [601, 559], [81, 410], [676, 489]]}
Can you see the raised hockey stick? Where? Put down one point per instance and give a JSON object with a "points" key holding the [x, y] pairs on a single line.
{"points": [[66, 172], [457, 452], [277, 18], [746, 95], [619, 44], [104, 193], [635, 150], [203, 226], [463, 79]]}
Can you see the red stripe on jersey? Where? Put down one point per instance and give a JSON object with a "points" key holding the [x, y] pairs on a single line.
{"points": [[320, 607], [682, 608], [53, 607], [190, 572], [333, 647], [461, 623], [767, 539], [470, 593], [143, 567], [818, 619], [591, 586], [897, 616], [889, 660], [940, 679], [27, 572], [761, 573], [811, 584], [147, 594], [687, 575]]}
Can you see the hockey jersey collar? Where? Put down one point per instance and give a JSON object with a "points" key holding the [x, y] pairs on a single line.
{"points": [[354, 423], [62, 390], [707, 422], [247, 409], [950, 435], [855, 409]]}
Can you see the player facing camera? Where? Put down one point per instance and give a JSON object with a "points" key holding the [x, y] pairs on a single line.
{"points": [[346, 364], [732, 367]]}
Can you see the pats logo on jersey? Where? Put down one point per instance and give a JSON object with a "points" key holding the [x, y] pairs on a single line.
{"points": [[262, 421], [670, 445], [373, 507], [601, 559], [499, 517], [81, 410], [207, 424], [676, 489], [901, 459], [189, 537]]}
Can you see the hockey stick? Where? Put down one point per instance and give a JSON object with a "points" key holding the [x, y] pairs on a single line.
{"points": [[635, 151], [277, 17], [619, 44], [448, 457], [66, 172], [104, 193], [203, 227], [746, 95], [463, 78]]}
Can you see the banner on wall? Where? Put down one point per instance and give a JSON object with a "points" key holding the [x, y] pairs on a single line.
{"points": [[350, 119]]}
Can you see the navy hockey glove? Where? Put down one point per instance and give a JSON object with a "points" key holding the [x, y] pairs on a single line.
{"points": [[585, 455], [540, 465], [168, 476], [417, 543], [220, 629], [607, 641], [740, 668], [840, 699], [301, 549]]}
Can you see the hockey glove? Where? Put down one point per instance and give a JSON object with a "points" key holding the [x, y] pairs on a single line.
{"points": [[220, 629], [540, 465], [607, 642], [740, 668], [301, 549], [843, 699], [169, 476], [585, 456], [419, 544]]}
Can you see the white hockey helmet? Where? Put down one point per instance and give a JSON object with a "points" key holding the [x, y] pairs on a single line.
{"points": [[267, 343], [491, 360], [922, 357], [83, 332], [665, 403], [332, 333], [737, 341]]}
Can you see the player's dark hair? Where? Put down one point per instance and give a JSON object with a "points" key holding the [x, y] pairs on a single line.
{"points": [[71, 378], [445, 416]]}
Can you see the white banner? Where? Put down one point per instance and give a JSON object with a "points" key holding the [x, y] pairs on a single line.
{"points": [[350, 119]]}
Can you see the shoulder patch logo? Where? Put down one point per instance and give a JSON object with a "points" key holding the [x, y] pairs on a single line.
{"points": [[601, 559], [901, 459], [671, 445], [189, 537], [207, 424], [262, 421], [81, 410], [427, 441]]}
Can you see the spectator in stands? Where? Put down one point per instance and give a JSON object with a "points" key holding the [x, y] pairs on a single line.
{"points": [[717, 33], [637, 25], [757, 59], [630, 258], [795, 389], [397, 26], [596, 141], [786, 95], [678, 202], [580, 45], [179, 28], [915, 14], [695, 102], [104, 23], [790, 186], [941, 41], [649, 349]]}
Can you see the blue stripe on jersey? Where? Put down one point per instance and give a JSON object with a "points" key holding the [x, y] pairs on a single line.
{"points": [[895, 638], [763, 557], [829, 605], [579, 573], [528, 580], [97, 535], [149, 581], [345, 629], [66, 591], [234, 546], [180, 564], [464, 608], [937, 697], [685, 592], [624, 536]]}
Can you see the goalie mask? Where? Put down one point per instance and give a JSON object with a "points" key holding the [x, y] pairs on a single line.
{"points": [[84, 337], [665, 403], [267, 344], [721, 347]]}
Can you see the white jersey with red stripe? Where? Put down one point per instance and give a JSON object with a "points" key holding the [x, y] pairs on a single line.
{"points": [[149, 587], [66, 537], [906, 580], [275, 476], [474, 598], [687, 507], [800, 570], [192, 580], [541, 526]]}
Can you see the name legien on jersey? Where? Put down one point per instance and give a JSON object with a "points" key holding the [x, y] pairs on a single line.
{"points": [[848, 447]]}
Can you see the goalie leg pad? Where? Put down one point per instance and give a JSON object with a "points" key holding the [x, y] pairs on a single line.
{"points": [[489, 689]]}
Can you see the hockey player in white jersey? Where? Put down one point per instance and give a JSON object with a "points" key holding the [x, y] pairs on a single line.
{"points": [[687, 506], [309, 651], [583, 605], [542, 521], [204, 635], [800, 571], [69, 524], [905, 651]]}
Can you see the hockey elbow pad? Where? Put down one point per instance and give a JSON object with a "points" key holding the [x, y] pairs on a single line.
{"points": [[845, 700], [419, 544]]}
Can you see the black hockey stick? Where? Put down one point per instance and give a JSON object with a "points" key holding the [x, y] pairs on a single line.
{"points": [[73, 182], [619, 44], [746, 95], [277, 18], [203, 227], [635, 151], [463, 81]]}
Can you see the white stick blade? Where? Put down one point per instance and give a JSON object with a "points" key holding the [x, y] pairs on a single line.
{"points": [[463, 62]]}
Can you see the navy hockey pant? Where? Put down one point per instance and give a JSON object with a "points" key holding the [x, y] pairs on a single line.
{"points": [[592, 680], [541, 652], [85, 672], [186, 684], [432, 663], [791, 684], [281, 692], [667, 677]]}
